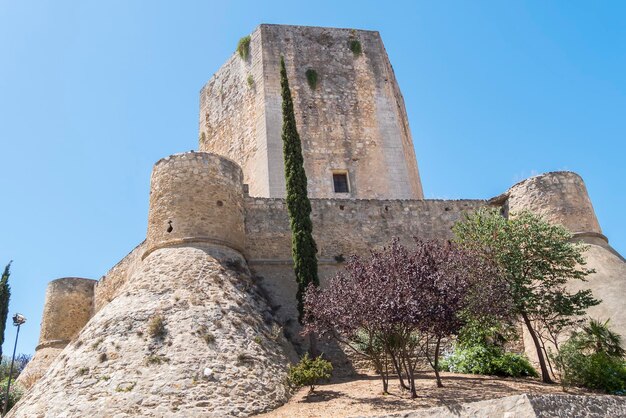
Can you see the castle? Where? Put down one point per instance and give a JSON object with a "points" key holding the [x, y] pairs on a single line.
{"points": [[215, 271]]}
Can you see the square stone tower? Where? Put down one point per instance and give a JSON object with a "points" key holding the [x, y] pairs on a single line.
{"points": [[349, 111]]}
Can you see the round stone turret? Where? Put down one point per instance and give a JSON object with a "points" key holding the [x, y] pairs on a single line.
{"points": [[561, 198], [68, 307], [196, 197]]}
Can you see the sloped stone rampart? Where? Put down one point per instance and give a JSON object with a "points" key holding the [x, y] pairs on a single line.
{"points": [[218, 355]]}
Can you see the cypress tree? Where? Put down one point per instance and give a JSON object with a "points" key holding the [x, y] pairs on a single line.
{"points": [[5, 295], [303, 248]]}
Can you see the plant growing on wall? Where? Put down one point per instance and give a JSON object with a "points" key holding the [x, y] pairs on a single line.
{"points": [[311, 78], [250, 80], [355, 46], [303, 247], [243, 47], [537, 259], [5, 295]]}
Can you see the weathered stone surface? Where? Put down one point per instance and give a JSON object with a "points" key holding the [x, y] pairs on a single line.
{"points": [[213, 320], [528, 406], [353, 121], [67, 309], [561, 197], [195, 196], [109, 285]]}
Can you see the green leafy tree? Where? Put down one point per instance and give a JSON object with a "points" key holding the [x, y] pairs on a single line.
{"points": [[5, 295], [303, 247], [537, 259]]}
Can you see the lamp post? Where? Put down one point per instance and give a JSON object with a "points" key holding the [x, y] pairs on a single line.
{"points": [[18, 320]]}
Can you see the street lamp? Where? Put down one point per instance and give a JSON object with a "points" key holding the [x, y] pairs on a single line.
{"points": [[18, 320]]}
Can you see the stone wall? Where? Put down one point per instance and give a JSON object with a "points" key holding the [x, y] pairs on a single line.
{"points": [[232, 116], [195, 196], [353, 121], [561, 197], [108, 287], [341, 228], [67, 309], [346, 226], [216, 354]]}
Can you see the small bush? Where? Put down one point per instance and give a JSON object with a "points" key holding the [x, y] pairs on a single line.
{"points": [[480, 350], [250, 81], [593, 358], [209, 338], [493, 361], [311, 78], [308, 372], [96, 344], [156, 359], [355, 46], [243, 47], [156, 327], [15, 393], [244, 358]]}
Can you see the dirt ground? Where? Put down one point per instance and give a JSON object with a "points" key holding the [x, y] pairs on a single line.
{"points": [[362, 395]]}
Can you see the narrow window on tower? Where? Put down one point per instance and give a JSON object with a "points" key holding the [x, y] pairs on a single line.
{"points": [[340, 182]]}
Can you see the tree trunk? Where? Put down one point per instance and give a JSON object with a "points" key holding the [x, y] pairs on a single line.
{"points": [[436, 365], [313, 351], [396, 366], [545, 374]]}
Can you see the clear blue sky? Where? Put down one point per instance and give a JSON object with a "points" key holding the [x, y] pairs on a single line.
{"points": [[92, 93]]}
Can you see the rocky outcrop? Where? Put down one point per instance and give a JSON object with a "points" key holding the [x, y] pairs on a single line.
{"points": [[189, 335]]}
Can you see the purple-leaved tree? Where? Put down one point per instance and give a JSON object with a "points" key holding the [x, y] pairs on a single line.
{"points": [[399, 304]]}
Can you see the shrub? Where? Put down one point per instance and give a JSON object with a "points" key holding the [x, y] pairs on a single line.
{"points": [[250, 81], [15, 393], [21, 360], [355, 46], [480, 350], [209, 338], [593, 358], [156, 327], [156, 359], [243, 47], [485, 360], [308, 372], [311, 78]]}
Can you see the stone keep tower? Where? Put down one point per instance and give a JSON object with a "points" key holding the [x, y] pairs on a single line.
{"points": [[352, 119]]}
